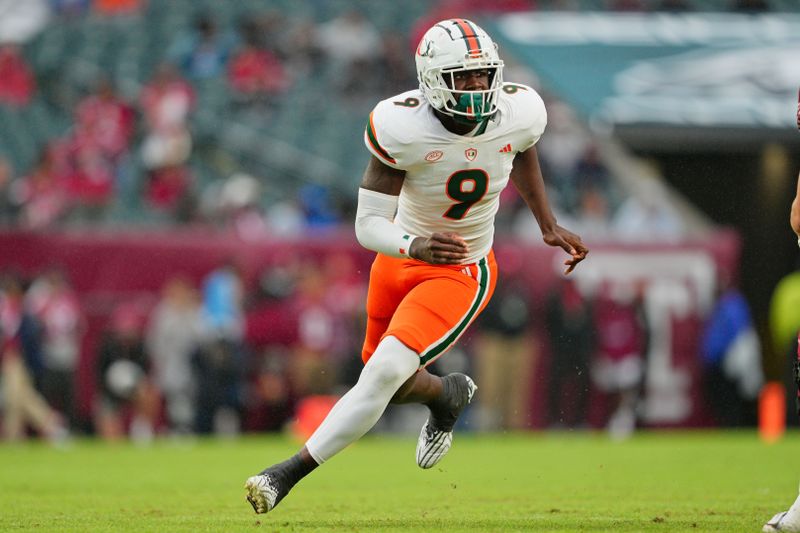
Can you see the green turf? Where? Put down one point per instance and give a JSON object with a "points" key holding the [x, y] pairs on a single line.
{"points": [[540, 482]]}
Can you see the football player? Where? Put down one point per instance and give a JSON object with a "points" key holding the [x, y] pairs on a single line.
{"points": [[441, 155], [790, 520]]}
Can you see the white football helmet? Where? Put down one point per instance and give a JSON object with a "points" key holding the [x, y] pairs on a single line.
{"points": [[452, 46]]}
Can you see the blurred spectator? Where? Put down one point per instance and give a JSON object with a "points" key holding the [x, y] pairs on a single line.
{"points": [[505, 358], [236, 204], [169, 190], [90, 186], [272, 329], [41, 195], [54, 304], [318, 207], [622, 341], [255, 73], [127, 402], [218, 369], [592, 216], [100, 139], [218, 363], [272, 26], [271, 400], [272, 315], [647, 216], [166, 102], [203, 53], [750, 6], [511, 207], [561, 149], [569, 321], [350, 42], [22, 20], [345, 297], [70, 8], [591, 172], [732, 356], [17, 83], [8, 207], [285, 219], [223, 299], [312, 371], [173, 335], [118, 7], [22, 405], [103, 122], [300, 51], [675, 6], [626, 5], [395, 72]]}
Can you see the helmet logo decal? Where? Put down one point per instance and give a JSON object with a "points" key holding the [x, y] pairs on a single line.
{"points": [[471, 153], [427, 52]]}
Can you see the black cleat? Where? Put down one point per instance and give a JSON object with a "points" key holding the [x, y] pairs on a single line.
{"points": [[436, 436], [265, 490]]}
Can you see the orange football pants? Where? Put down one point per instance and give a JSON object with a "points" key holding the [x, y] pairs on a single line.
{"points": [[427, 307]]}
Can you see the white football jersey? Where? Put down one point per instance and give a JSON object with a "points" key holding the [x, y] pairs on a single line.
{"points": [[453, 182]]}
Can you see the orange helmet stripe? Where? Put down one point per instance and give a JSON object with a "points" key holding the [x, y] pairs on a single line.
{"points": [[470, 36]]}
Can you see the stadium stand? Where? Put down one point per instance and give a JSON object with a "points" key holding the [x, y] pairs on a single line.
{"points": [[292, 149]]}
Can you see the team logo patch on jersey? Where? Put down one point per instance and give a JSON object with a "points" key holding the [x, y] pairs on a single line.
{"points": [[433, 155], [471, 153]]}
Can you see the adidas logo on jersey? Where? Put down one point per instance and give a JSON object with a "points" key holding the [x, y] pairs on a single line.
{"points": [[505, 149]]}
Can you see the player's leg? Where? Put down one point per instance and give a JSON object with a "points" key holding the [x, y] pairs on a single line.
{"points": [[786, 520], [388, 364], [430, 319], [352, 416], [422, 387], [445, 396], [12, 381], [789, 520]]}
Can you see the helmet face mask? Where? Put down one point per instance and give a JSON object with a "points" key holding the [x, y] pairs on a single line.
{"points": [[449, 48]]}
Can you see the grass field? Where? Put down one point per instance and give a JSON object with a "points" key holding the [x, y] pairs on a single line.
{"points": [[539, 482]]}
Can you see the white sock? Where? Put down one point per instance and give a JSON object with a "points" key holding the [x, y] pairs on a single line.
{"points": [[358, 410], [792, 518]]}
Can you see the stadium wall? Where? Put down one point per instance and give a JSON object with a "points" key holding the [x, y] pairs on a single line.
{"points": [[107, 268]]}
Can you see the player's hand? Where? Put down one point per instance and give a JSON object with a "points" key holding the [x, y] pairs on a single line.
{"points": [[440, 249], [571, 244]]}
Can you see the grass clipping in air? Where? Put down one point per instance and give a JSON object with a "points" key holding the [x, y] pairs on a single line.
{"points": [[696, 481]]}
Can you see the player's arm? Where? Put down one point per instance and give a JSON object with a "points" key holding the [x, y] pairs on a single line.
{"points": [[794, 215], [527, 177], [375, 228]]}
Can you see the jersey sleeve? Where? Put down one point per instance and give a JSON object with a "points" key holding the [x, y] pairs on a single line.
{"points": [[382, 139], [532, 115]]}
